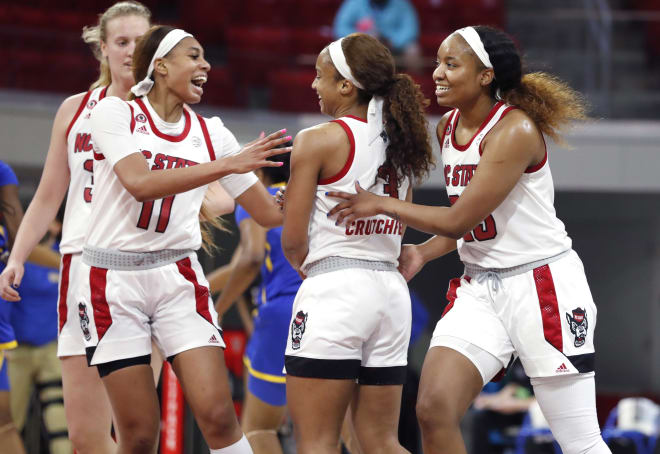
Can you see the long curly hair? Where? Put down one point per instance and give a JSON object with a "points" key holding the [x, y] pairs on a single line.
{"points": [[549, 101], [408, 146]]}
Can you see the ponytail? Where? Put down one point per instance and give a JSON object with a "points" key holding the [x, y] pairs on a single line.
{"points": [[550, 102]]}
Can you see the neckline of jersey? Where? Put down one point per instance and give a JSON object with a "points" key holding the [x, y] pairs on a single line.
{"points": [[491, 114], [162, 135]]}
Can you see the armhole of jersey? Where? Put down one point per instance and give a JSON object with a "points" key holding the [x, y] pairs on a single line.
{"points": [[506, 111], [207, 137], [82, 105], [444, 130], [349, 161], [540, 165]]}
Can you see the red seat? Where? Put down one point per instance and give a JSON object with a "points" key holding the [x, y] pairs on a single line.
{"points": [[434, 15], [254, 52], [265, 13], [315, 12], [429, 43], [221, 90], [291, 91], [309, 42]]}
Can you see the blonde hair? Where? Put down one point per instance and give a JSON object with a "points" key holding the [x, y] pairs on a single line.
{"points": [[94, 35], [206, 224]]}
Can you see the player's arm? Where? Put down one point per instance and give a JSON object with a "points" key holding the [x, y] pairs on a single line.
{"points": [[309, 147], [261, 205], [246, 267], [46, 201], [218, 278], [505, 157], [217, 201], [111, 134]]}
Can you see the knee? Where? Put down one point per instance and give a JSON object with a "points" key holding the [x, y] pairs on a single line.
{"points": [[219, 420], [138, 439], [436, 410]]}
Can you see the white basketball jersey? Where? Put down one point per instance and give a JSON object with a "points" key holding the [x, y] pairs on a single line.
{"points": [[120, 222], [524, 227], [376, 238], [80, 160]]}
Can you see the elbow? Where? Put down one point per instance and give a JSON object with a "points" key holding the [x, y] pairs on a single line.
{"points": [[454, 229], [294, 252]]}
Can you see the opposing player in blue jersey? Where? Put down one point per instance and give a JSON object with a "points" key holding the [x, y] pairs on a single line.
{"points": [[260, 249], [10, 214]]}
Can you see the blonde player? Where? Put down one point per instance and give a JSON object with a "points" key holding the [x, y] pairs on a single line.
{"points": [[153, 159], [524, 292], [69, 167], [351, 317]]}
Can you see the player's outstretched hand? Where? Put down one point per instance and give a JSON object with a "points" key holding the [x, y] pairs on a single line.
{"points": [[256, 153], [10, 279], [410, 261], [362, 204]]}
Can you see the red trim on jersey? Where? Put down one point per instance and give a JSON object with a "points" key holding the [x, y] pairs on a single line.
{"points": [[103, 92], [132, 117], [506, 111], [64, 289], [102, 317], [162, 135], [349, 161], [201, 292], [447, 125], [545, 288], [492, 112], [207, 137], [354, 117], [82, 105], [540, 165]]}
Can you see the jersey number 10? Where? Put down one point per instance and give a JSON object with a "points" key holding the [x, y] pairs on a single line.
{"points": [[487, 230]]}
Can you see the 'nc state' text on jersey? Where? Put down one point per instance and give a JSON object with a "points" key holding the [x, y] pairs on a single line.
{"points": [[163, 161], [461, 174]]}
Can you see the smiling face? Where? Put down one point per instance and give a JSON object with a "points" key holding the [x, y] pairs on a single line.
{"points": [[459, 76], [121, 34], [326, 84], [185, 70]]}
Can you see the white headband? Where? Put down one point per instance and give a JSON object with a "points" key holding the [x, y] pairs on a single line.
{"points": [[166, 45], [470, 35], [339, 60]]}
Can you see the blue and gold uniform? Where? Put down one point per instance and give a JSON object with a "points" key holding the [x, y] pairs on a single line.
{"points": [[7, 338], [264, 358]]}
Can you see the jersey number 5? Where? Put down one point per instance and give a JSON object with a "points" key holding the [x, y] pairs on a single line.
{"points": [[487, 230], [163, 217]]}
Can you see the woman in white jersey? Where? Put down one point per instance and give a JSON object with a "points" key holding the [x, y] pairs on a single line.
{"points": [[351, 316], [524, 292], [69, 167], [153, 157]]}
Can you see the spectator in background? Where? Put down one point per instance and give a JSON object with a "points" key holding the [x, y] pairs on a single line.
{"points": [[394, 22], [34, 362]]}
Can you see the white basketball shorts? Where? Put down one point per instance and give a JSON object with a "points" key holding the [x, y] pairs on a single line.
{"points": [[121, 311], [351, 324], [70, 340], [546, 316]]}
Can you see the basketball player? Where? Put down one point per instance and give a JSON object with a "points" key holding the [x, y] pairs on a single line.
{"points": [[153, 159], [260, 250], [524, 292], [351, 318], [10, 207], [69, 166]]}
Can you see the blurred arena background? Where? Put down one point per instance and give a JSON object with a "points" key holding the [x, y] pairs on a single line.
{"points": [[262, 54]]}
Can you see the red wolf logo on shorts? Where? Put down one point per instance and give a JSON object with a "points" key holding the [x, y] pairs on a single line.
{"points": [[84, 320], [298, 329], [579, 325]]}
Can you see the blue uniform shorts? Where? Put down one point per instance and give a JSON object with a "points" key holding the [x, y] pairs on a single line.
{"points": [[264, 356]]}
